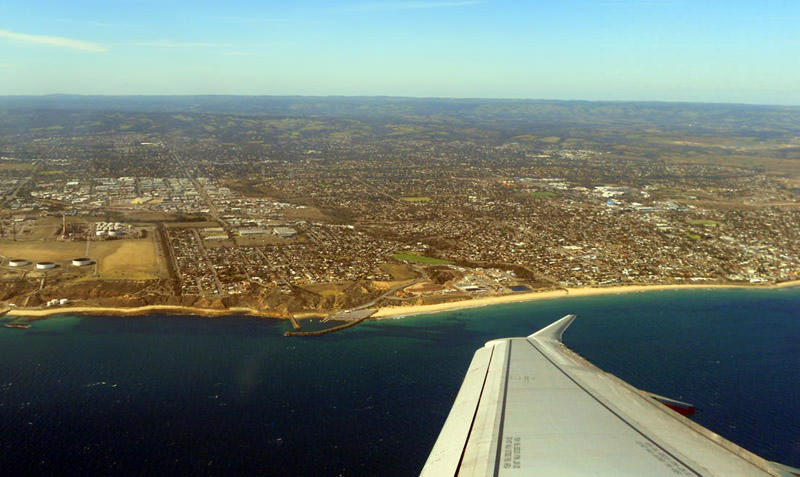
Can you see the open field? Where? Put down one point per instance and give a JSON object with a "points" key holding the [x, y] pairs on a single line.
{"points": [[415, 199], [45, 228], [706, 223], [146, 216], [398, 271], [36, 251], [328, 289], [416, 258], [308, 213], [130, 259], [16, 166]]}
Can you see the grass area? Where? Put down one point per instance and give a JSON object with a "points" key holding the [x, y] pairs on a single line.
{"points": [[543, 194], [327, 289], [550, 139], [417, 258], [15, 166], [669, 192], [398, 271], [692, 236], [704, 222], [415, 199]]}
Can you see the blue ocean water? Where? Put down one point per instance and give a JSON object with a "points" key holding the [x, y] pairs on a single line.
{"points": [[190, 395]]}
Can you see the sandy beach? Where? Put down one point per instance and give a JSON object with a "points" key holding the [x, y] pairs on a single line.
{"points": [[140, 310], [552, 294], [386, 312]]}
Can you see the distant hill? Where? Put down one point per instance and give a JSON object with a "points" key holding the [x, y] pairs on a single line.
{"points": [[662, 115]]}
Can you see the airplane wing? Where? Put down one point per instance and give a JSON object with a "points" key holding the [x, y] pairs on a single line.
{"points": [[531, 406]]}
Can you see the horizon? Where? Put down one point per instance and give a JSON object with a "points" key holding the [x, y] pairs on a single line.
{"points": [[615, 51], [390, 97]]}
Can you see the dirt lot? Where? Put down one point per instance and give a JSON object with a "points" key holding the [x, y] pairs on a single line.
{"points": [[42, 229], [133, 259], [399, 271], [129, 258]]}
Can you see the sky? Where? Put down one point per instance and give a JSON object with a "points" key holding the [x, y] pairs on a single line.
{"points": [[663, 50]]}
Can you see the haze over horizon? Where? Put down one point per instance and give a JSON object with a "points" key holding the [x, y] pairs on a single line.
{"points": [[674, 50]]}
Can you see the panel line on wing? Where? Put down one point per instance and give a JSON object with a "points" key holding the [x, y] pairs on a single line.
{"points": [[503, 410], [475, 414]]}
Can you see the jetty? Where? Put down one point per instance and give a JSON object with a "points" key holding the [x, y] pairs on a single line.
{"points": [[295, 324], [354, 318], [23, 326]]}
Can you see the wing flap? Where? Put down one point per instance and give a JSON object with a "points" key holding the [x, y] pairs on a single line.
{"points": [[446, 455]]}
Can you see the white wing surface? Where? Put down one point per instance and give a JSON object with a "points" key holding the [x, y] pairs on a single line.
{"points": [[530, 406]]}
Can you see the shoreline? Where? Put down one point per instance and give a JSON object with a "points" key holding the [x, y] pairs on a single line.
{"points": [[403, 311], [41, 313], [385, 312]]}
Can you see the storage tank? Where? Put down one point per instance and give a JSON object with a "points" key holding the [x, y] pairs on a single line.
{"points": [[45, 265], [81, 261], [18, 262]]}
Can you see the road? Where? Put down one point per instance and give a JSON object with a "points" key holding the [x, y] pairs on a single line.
{"points": [[213, 211], [356, 312], [23, 183], [202, 247]]}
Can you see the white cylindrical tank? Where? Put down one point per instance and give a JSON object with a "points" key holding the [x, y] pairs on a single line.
{"points": [[18, 262], [81, 261], [45, 265]]}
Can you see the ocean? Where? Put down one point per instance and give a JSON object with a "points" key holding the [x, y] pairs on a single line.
{"points": [[168, 394]]}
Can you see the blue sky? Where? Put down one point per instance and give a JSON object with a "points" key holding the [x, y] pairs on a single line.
{"points": [[668, 50]]}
